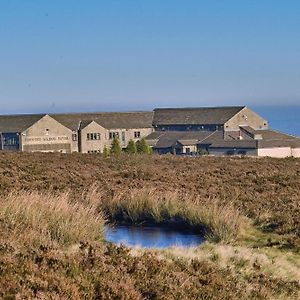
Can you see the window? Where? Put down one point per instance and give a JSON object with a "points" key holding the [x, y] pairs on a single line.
{"points": [[93, 136], [123, 136], [74, 137], [113, 135], [94, 151], [137, 134], [10, 141], [47, 131]]}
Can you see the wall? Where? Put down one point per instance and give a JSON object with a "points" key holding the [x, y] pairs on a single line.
{"points": [[129, 134], [86, 145], [193, 149], [230, 151], [279, 152], [246, 117], [47, 135], [296, 152]]}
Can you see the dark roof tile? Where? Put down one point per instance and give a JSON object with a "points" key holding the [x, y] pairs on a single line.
{"points": [[194, 116], [109, 120], [18, 123]]}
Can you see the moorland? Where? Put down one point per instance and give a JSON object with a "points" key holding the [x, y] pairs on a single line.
{"points": [[53, 209]]}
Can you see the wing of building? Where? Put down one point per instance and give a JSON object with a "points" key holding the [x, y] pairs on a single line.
{"points": [[213, 130], [218, 131], [86, 132]]}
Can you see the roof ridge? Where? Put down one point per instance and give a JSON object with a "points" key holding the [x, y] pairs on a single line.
{"points": [[96, 113], [201, 107]]}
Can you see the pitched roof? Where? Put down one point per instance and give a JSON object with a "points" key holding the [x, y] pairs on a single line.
{"points": [[194, 116], [167, 139], [18, 123], [272, 139], [252, 144], [109, 120], [185, 142]]}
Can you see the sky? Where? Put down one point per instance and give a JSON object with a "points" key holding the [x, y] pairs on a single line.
{"points": [[118, 55]]}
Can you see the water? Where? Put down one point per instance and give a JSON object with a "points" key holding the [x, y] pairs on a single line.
{"points": [[281, 118], [152, 237]]}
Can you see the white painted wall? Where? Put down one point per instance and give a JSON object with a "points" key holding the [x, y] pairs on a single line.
{"points": [[275, 152], [296, 152]]}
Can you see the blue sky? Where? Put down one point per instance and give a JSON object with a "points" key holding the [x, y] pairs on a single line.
{"points": [[109, 55]]}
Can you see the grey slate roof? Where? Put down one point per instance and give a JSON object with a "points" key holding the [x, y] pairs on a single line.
{"points": [[109, 120], [18, 123], [194, 116], [272, 139], [252, 144], [185, 142], [167, 139]]}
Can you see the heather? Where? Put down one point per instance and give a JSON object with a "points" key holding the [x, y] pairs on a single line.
{"points": [[54, 207]]}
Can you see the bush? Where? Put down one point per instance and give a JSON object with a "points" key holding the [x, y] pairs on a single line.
{"points": [[115, 146], [105, 152], [131, 148], [142, 146]]}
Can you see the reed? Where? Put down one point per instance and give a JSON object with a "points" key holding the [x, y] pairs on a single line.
{"points": [[33, 217], [219, 222]]}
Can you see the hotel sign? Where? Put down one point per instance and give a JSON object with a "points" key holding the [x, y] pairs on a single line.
{"points": [[46, 139]]}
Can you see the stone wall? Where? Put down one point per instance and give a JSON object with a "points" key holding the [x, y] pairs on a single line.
{"points": [[246, 117], [47, 135]]}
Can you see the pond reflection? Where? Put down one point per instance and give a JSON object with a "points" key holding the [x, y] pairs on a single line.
{"points": [[152, 237]]}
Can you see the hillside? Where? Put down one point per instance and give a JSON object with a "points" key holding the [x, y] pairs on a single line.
{"points": [[266, 190], [45, 260]]}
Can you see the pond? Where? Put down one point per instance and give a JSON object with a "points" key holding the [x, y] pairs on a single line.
{"points": [[152, 237]]}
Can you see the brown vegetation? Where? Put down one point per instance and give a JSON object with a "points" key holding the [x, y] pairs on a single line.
{"points": [[51, 228], [35, 218], [266, 190], [218, 222], [48, 250]]}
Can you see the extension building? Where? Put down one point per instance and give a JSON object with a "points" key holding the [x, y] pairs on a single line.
{"points": [[218, 131], [215, 131]]}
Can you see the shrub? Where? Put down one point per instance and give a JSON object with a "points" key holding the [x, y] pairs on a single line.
{"points": [[105, 151], [131, 148], [142, 146], [115, 146]]}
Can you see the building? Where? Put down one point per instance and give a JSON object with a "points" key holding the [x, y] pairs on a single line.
{"points": [[218, 131], [67, 133], [185, 131]]}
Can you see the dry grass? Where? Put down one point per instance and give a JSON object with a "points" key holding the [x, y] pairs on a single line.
{"points": [[217, 221], [243, 261], [40, 218], [214, 194], [36, 264], [265, 190]]}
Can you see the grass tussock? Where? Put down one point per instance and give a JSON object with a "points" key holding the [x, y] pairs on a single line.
{"points": [[242, 260], [219, 222], [42, 218]]}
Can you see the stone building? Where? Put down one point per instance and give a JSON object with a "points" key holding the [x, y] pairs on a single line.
{"points": [[218, 131], [67, 133], [186, 131]]}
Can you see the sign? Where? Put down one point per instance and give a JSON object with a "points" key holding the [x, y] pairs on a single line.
{"points": [[46, 139]]}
